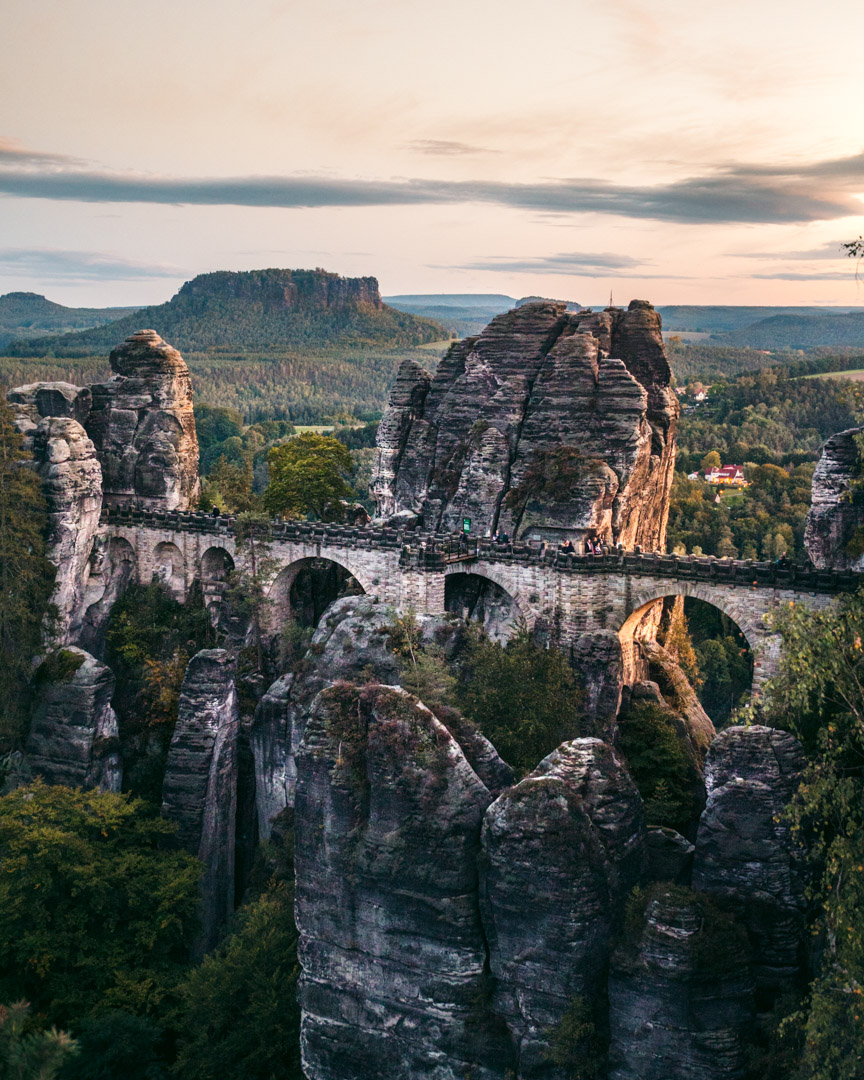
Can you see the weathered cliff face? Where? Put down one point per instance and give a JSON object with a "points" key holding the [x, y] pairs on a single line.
{"points": [[65, 459], [696, 725], [744, 850], [833, 518], [199, 792], [598, 661], [387, 827], [144, 429], [547, 424], [561, 851], [74, 737], [680, 994]]}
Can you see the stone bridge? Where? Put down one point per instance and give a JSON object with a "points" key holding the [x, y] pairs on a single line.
{"points": [[563, 595]]}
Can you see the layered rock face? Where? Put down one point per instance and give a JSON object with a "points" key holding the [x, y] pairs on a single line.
{"points": [[199, 791], [745, 854], [387, 828], [144, 429], [680, 995], [833, 519], [65, 459], [561, 850], [74, 737], [547, 424]]}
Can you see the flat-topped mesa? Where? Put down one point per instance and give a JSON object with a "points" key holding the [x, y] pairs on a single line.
{"points": [[143, 427], [287, 288], [547, 425]]}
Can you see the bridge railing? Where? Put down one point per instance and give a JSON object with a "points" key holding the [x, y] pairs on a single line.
{"points": [[436, 551]]}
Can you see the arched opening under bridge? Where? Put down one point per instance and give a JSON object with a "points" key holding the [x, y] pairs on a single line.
{"points": [[480, 599], [715, 648], [303, 591]]}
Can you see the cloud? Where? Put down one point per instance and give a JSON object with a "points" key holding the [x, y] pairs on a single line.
{"points": [[732, 194], [13, 153], [48, 264], [829, 250], [791, 275], [447, 148], [575, 263]]}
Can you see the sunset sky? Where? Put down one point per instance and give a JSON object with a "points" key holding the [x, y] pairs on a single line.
{"points": [[679, 152]]}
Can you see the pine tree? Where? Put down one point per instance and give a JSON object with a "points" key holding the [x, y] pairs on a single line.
{"points": [[26, 576]]}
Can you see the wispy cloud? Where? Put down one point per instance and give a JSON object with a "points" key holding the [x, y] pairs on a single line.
{"points": [[574, 263], [13, 153], [47, 264], [448, 148], [791, 275], [747, 194], [829, 250]]}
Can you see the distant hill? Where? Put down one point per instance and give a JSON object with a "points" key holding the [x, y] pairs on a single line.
{"points": [[27, 314], [801, 331], [725, 319], [256, 309]]}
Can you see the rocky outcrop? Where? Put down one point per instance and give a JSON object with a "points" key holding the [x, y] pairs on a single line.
{"points": [[74, 737], [35, 401], [561, 851], [547, 424], [352, 642], [65, 459], [680, 993], [597, 659], [144, 429], [387, 829], [834, 533], [199, 792], [745, 853]]}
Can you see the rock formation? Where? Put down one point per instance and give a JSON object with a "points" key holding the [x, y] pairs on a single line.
{"points": [[143, 427], [199, 792], [680, 993], [696, 725], [74, 738], [65, 459], [548, 424], [285, 289], [561, 851], [745, 854], [37, 400], [669, 856], [387, 831], [351, 642], [597, 659], [834, 533]]}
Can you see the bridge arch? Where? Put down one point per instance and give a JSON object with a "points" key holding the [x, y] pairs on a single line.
{"points": [[764, 646], [483, 596], [305, 588], [169, 567]]}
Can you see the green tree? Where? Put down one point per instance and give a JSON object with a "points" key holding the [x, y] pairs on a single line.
{"points": [[308, 475], [26, 577], [820, 695], [712, 460], [94, 914], [229, 485], [117, 1044], [524, 698], [214, 424], [238, 1017], [28, 1053]]}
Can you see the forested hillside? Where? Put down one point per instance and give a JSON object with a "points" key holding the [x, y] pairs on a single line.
{"points": [[25, 315], [263, 309]]}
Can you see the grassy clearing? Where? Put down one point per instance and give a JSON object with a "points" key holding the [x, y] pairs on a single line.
{"points": [[853, 375]]}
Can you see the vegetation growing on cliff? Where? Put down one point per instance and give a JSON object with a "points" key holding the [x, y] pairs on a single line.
{"points": [[819, 695], [26, 577]]}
